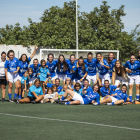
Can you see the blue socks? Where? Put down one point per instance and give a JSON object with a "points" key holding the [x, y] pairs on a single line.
{"points": [[113, 103], [130, 97], [137, 96], [10, 95], [98, 103], [67, 103], [15, 95], [63, 98], [19, 97]]}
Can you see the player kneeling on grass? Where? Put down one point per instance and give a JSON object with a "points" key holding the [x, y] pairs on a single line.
{"points": [[25, 81], [51, 95], [119, 97], [85, 98], [35, 93]]}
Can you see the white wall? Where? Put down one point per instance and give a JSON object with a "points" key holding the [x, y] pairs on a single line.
{"points": [[19, 50]]}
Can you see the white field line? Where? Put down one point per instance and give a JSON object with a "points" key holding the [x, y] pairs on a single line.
{"points": [[69, 121]]}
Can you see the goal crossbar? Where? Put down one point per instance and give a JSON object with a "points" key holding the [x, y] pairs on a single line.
{"points": [[72, 50]]}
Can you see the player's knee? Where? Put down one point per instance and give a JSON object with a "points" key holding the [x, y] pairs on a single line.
{"points": [[3, 87], [78, 102]]}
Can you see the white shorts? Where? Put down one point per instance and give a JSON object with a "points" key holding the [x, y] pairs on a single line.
{"points": [[13, 77], [113, 99], [19, 77], [93, 78], [53, 78], [78, 97], [120, 79], [105, 77], [62, 76], [133, 78], [32, 80]]}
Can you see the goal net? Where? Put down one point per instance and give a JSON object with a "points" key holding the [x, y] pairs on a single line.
{"points": [[67, 52]]}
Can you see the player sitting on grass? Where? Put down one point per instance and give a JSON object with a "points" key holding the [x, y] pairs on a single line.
{"points": [[51, 95], [25, 81], [35, 93], [87, 97], [68, 82], [57, 83], [119, 97], [108, 89]]}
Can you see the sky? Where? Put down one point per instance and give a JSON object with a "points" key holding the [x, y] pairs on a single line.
{"points": [[18, 11]]}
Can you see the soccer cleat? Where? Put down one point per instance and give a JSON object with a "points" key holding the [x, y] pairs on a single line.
{"points": [[17, 102], [137, 102], [10, 100], [3, 99], [57, 101], [95, 103], [62, 103], [33, 102]]}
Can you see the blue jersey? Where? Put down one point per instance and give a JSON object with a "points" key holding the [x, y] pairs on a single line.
{"points": [[61, 93], [102, 69], [111, 65], [134, 67], [89, 89], [61, 71], [89, 97], [43, 73], [12, 65], [80, 72], [35, 69], [69, 72], [23, 79], [59, 88], [37, 90], [120, 95], [105, 91], [23, 67], [91, 66], [52, 67]]}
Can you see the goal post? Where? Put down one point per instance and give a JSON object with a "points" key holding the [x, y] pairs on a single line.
{"points": [[67, 52]]}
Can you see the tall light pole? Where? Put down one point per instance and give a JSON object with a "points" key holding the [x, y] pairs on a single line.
{"points": [[76, 31]]}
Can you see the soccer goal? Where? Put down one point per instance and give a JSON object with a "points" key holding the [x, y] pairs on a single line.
{"points": [[67, 52]]}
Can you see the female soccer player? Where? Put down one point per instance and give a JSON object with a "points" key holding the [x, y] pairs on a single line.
{"points": [[51, 66], [24, 63], [71, 63], [11, 71], [103, 67], [35, 66], [81, 69], [91, 63], [3, 81], [119, 97], [25, 81], [35, 93], [43, 72], [62, 68], [111, 61], [119, 74], [108, 89], [86, 98], [134, 66]]}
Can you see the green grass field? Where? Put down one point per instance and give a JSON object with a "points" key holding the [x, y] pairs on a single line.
{"points": [[77, 122]]}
